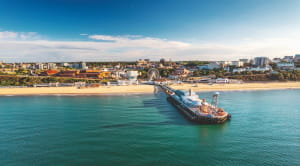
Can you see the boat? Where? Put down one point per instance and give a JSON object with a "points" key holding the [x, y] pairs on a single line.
{"points": [[196, 109]]}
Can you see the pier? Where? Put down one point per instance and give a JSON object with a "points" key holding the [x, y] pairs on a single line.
{"points": [[167, 89], [194, 108]]}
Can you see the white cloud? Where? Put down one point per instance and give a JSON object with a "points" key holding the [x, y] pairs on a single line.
{"points": [[9, 35], [15, 48], [115, 38], [105, 37], [139, 41]]}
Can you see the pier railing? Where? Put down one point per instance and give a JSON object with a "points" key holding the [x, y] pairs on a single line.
{"points": [[167, 88]]}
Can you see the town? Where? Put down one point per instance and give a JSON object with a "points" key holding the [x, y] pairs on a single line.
{"points": [[125, 73]]}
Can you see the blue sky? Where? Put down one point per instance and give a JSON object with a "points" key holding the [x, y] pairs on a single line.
{"points": [[96, 30]]}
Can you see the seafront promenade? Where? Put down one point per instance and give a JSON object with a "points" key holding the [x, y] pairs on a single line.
{"points": [[132, 89]]}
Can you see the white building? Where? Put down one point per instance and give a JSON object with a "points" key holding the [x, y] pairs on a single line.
{"points": [[51, 66], [39, 66], [237, 63], [232, 63], [220, 64], [118, 74], [222, 81], [286, 65], [64, 64], [245, 60], [226, 63], [297, 58], [132, 76], [276, 60], [288, 58]]}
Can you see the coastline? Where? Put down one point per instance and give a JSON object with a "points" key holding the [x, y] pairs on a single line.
{"points": [[68, 91], [255, 86], [144, 89]]}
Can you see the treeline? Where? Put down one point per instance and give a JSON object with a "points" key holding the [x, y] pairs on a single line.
{"points": [[194, 63], [30, 81], [280, 76], [206, 72], [96, 64]]}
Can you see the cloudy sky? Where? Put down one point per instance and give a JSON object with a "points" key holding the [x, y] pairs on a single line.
{"points": [[126, 30]]}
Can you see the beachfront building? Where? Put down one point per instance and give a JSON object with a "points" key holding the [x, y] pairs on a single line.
{"points": [[263, 69], [222, 81], [297, 58], [117, 74], [237, 63], [132, 76], [261, 61], [245, 60], [286, 65], [221, 64], [231, 63], [276, 60], [288, 59]]}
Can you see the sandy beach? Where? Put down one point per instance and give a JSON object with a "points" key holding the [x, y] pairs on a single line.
{"points": [[240, 87], [137, 89], [103, 90]]}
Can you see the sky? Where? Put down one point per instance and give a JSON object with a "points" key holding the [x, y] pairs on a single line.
{"points": [[127, 30]]}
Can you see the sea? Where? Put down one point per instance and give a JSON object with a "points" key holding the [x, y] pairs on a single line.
{"points": [[145, 129]]}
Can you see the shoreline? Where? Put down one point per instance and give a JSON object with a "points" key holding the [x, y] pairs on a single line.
{"points": [[144, 89], [261, 86]]}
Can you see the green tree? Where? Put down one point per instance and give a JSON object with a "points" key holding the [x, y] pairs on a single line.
{"points": [[280, 76]]}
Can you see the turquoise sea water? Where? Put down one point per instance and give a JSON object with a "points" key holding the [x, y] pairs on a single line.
{"points": [[147, 130]]}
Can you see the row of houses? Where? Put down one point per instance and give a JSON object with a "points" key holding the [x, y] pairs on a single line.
{"points": [[221, 64], [44, 66], [257, 61], [260, 63], [288, 59]]}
